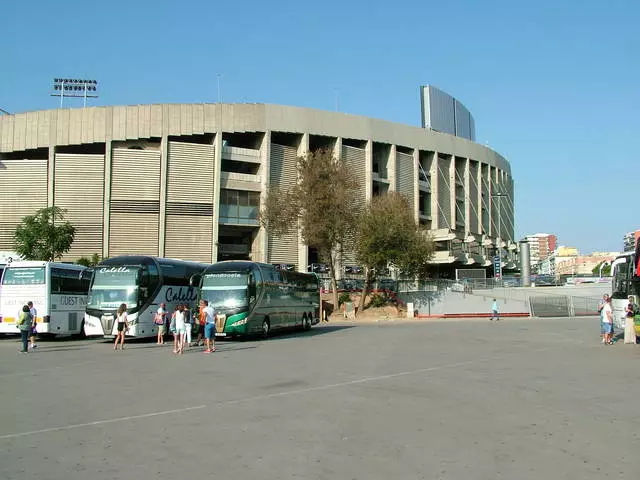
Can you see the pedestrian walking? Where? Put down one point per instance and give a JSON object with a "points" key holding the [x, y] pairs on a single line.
{"points": [[33, 331], [629, 325], [495, 315], [209, 327], [160, 321], [607, 322], [24, 325], [123, 326]]}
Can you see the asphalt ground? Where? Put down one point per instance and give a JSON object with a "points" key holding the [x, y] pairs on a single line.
{"points": [[517, 399]]}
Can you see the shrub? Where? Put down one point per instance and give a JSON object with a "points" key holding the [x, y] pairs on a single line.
{"points": [[377, 301], [344, 297]]}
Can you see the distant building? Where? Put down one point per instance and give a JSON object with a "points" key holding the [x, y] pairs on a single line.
{"points": [[541, 246], [582, 264], [629, 241]]}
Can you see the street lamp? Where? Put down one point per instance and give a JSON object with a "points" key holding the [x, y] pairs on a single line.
{"points": [[72, 87]]}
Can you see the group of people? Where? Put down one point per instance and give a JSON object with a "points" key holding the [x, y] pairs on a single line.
{"points": [[27, 326], [182, 325], [606, 321]]}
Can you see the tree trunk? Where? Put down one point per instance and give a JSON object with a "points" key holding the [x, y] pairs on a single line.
{"points": [[365, 289], [334, 283]]}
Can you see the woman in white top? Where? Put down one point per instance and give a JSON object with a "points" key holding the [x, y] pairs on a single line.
{"points": [[629, 326], [123, 326], [180, 329]]}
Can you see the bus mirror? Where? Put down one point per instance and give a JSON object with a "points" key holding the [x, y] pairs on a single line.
{"points": [[252, 290], [194, 280], [86, 274]]}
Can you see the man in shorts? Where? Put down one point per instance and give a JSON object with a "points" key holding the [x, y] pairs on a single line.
{"points": [[209, 327], [601, 304], [34, 316], [160, 321]]}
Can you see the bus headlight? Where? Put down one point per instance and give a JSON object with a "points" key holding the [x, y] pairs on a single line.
{"points": [[239, 322]]}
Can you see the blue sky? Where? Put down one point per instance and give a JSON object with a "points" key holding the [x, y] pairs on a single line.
{"points": [[553, 85]]}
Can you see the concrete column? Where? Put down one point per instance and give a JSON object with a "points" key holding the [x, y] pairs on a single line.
{"points": [[368, 178], [164, 166], [391, 169], [106, 208], [452, 193], [468, 211], [416, 186], [435, 188], [478, 181], [303, 250], [51, 169], [265, 156], [215, 218]]}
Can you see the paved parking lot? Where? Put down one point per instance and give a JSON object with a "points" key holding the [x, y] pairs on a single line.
{"points": [[521, 399]]}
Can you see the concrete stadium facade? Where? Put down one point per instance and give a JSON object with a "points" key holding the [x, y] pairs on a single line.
{"points": [[186, 180]]}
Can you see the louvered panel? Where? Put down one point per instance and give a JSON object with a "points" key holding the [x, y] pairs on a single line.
{"points": [[444, 193], [283, 172], [23, 191], [190, 172], [474, 207], [283, 249], [133, 234], [135, 174], [405, 176], [84, 203], [355, 159], [88, 240], [189, 237]]}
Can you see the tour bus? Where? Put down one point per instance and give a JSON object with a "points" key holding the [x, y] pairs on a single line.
{"points": [[58, 292], [624, 284], [143, 283], [255, 298]]}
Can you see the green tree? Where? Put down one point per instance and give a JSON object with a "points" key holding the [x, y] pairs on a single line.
{"points": [[606, 270], [89, 262], [389, 235], [322, 205], [44, 236]]}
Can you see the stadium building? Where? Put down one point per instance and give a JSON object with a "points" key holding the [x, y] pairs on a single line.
{"points": [[186, 180]]}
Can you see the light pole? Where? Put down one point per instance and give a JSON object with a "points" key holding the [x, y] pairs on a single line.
{"points": [[71, 87]]}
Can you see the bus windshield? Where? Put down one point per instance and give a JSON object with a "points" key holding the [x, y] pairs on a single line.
{"points": [[226, 290], [621, 277], [113, 286], [23, 276]]}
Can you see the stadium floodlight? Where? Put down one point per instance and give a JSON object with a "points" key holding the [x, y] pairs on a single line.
{"points": [[71, 87]]}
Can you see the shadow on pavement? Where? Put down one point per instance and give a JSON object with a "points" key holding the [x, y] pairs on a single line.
{"points": [[314, 332]]}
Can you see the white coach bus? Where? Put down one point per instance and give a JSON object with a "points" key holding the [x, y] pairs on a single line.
{"points": [[58, 292], [142, 283]]}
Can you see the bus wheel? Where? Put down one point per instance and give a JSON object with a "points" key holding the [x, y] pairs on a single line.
{"points": [[266, 327]]}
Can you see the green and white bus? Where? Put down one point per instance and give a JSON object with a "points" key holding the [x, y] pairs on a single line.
{"points": [[255, 298]]}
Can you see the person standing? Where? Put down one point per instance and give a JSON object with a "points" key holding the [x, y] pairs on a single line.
{"points": [[601, 304], [123, 326], [160, 321], [209, 327], [180, 329], [24, 325], [188, 324], [629, 325], [34, 317], [607, 322], [495, 315], [200, 321]]}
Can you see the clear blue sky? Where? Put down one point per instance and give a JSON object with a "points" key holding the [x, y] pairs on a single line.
{"points": [[553, 85]]}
